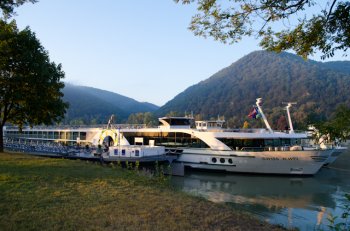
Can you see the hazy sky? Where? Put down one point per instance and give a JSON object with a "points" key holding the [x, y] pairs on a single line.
{"points": [[140, 49]]}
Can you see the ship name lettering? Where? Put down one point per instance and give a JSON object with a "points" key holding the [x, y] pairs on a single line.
{"points": [[291, 158], [270, 158]]}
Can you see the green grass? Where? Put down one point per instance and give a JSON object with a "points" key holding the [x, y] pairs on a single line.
{"points": [[39, 193]]}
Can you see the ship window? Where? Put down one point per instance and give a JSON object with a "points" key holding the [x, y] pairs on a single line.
{"points": [[137, 152], [167, 139], [62, 135], [255, 144], [115, 151], [269, 142], [222, 160], [75, 135], [82, 135], [123, 152], [178, 121], [230, 161], [295, 142], [213, 160], [285, 142]]}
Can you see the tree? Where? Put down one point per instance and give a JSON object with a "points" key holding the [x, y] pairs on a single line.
{"points": [[7, 6], [30, 85], [245, 125], [336, 128], [173, 113], [146, 118], [327, 30], [282, 123]]}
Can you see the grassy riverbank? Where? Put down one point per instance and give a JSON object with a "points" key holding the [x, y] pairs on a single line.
{"points": [[55, 194]]}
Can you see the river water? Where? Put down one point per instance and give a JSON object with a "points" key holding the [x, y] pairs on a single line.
{"points": [[301, 202]]}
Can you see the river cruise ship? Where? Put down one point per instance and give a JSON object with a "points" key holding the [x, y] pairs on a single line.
{"points": [[201, 144]]}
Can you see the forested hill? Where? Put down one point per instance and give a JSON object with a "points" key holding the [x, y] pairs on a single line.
{"points": [[316, 87], [89, 105]]}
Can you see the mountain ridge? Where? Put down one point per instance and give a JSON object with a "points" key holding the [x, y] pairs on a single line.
{"points": [[274, 77], [89, 105], [317, 87]]}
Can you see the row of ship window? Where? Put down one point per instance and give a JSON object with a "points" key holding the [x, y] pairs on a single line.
{"points": [[186, 140], [170, 141], [221, 160], [233, 143], [123, 152], [47, 135]]}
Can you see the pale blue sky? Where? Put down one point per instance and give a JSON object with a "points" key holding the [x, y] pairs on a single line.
{"points": [[140, 49]]}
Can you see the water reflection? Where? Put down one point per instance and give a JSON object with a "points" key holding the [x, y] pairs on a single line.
{"points": [[302, 202]]}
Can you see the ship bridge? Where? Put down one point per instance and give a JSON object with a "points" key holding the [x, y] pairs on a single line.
{"points": [[176, 122]]}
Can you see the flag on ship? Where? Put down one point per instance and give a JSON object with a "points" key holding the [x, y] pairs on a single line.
{"points": [[254, 114]]}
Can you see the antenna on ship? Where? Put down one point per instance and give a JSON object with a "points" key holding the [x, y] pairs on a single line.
{"points": [[258, 102], [289, 104]]}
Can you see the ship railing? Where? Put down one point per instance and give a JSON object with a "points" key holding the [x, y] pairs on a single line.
{"points": [[48, 147], [269, 148], [288, 131], [248, 130], [262, 130], [129, 126], [243, 130], [64, 127], [42, 127], [251, 149]]}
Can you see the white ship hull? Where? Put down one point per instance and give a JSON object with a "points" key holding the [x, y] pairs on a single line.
{"points": [[268, 162]]}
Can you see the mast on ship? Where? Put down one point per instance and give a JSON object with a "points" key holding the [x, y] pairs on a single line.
{"points": [[258, 102], [289, 104]]}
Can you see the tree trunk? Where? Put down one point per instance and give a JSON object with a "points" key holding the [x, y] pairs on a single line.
{"points": [[1, 139]]}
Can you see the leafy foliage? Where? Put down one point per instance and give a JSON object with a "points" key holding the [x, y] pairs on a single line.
{"points": [[282, 123], [338, 127], [230, 21], [146, 118], [245, 125], [30, 84], [7, 6], [316, 87]]}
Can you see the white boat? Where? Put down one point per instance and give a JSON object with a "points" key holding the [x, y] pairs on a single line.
{"points": [[207, 146], [141, 153]]}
